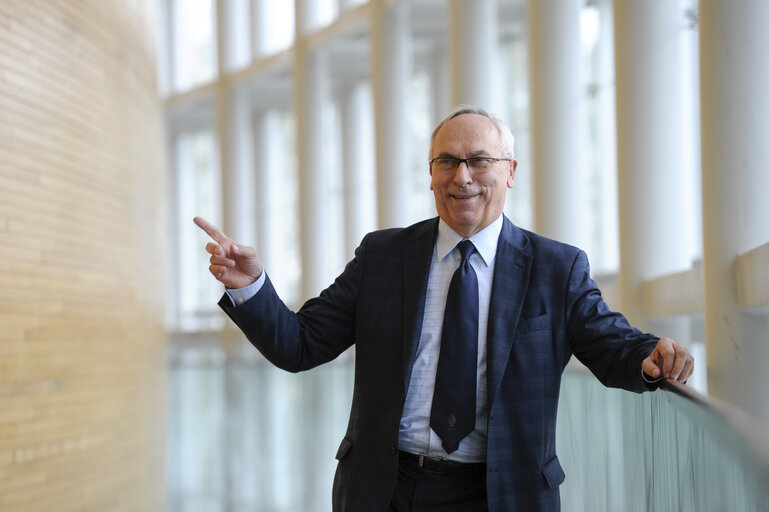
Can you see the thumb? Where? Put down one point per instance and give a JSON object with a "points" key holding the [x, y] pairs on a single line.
{"points": [[650, 367]]}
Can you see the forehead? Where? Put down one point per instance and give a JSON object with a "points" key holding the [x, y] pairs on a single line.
{"points": [[468, 133]]}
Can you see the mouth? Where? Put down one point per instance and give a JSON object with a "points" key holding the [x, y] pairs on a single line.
{"points": [[463, 197]]}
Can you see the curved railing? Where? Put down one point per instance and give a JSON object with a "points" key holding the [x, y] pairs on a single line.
{"points": [[670, 450]]}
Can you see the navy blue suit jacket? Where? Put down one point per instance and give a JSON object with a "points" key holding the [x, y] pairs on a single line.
{"points": [[544, 308]]}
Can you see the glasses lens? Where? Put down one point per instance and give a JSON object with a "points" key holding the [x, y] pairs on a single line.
{"points": [[479, 164], [446, 164]]}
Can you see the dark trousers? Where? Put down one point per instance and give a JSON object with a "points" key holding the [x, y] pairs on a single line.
{"points": [[422, 490]]}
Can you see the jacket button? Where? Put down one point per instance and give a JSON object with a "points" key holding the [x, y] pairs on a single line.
{"points": [[394, 449]]}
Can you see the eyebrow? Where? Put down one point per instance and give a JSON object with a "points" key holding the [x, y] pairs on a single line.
{"points": [[477, 153]]}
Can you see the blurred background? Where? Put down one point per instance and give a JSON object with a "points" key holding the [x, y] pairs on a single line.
{"points": [[298, 126]]}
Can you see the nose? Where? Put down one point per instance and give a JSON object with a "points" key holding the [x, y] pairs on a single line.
{"points": [[463, 176]]}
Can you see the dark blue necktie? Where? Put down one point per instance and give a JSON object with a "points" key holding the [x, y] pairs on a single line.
{"points": [[453, 412]]}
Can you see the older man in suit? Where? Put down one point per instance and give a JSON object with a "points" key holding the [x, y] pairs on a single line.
{"points": [[462, 325]]}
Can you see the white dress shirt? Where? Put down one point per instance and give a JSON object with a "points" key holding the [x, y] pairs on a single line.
{"points": [[415, 435]]}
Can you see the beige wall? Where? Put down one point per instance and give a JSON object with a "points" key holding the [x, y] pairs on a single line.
{"points": [[82, 383]]}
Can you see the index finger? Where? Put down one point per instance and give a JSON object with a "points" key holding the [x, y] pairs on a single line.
{"points": [[209, 228]]}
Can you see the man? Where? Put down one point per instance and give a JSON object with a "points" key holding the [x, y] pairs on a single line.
{"points": [[451, 411]]}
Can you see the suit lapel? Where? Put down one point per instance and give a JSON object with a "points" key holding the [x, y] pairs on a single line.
{"points": [[417, 254], [508, 291]]}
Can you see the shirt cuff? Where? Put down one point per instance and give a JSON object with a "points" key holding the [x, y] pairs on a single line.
{"points": [[649, 379], [240, 295]]}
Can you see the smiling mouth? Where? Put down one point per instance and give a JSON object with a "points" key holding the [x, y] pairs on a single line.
{"points": [[463, 198]]}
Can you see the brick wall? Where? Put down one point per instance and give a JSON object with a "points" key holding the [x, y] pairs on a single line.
{"points": [[82, 379]]}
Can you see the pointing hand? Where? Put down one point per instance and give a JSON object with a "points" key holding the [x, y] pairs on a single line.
{"points": [[234, 265]]}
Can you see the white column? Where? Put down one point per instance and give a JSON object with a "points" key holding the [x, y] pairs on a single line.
{"points": [[474, 53], [649, 61], [555, 85], [440, 84], [223, 110], [353, 162], [258, 33], [243, 169], [390, 61], [306, 16], [310, 89], [734, 82], [265, 132]]}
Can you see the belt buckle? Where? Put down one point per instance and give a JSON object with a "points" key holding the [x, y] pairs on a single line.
{"points": [[421, 459]]}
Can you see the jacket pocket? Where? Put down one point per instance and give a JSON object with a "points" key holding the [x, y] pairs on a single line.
{"points": [[553, 473], [344, 447], [535, 323]]}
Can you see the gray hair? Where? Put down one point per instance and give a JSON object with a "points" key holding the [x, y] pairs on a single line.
{"points": [[505, 135]]}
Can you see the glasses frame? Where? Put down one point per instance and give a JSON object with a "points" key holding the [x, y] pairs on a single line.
{"points": [[468, 161]]}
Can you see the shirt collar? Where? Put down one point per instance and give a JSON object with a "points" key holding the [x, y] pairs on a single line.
{"points": [[485, 240]]}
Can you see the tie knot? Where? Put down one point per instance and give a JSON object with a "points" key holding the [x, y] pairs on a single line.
{"points": [[466, 248]]}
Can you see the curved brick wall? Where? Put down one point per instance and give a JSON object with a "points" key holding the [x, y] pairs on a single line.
{"points": [[82, 379]]}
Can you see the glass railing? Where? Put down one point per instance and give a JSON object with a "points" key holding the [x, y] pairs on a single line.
{"points": [[671, 450], [245, 436]]}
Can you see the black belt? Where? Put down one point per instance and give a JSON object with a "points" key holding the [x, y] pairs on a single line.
{"points": [[442, 466]]}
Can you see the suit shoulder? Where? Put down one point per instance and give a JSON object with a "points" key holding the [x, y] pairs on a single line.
{"points": [[389, 236], [545, 243], [544, 248]]}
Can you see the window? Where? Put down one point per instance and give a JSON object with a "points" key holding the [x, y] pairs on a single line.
{"points": [[519, 205], [333, 194], [194, 47], [280, 250], [198, 194], [238, 33], [421, 202], [599, 185], [273, 26]]}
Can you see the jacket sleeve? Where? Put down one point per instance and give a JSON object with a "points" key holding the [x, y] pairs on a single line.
{"points": [[321, 330], [603, 339]]}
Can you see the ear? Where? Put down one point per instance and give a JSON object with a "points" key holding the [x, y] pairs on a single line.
{"points": [[431, 176], [511, 176]]}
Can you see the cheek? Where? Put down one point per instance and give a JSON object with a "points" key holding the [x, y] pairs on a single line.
{"points": [[437, 184]]}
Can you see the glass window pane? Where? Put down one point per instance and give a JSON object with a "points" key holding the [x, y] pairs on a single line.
{"points": [[238, 34], [194, 42], [327, 12], [333, 194], [421, 203], [692, 164], [198, 195], [519, 205], [275, 26], [367, 188], [285, 269], [600, 165], [163, 45]]}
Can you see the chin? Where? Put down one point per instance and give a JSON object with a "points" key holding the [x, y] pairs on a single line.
{"points": [[464, 220]]}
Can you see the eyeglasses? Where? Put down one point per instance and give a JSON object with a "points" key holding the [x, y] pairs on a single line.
{"points": [[476, 163]]}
